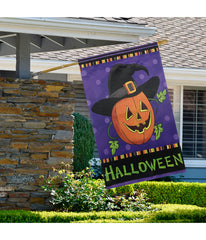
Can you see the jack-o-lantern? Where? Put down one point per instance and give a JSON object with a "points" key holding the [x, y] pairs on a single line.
{"points": [[133, 119], [129, 104]]}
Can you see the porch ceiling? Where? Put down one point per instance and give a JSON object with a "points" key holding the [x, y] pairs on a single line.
{"points": [[53, 34]]}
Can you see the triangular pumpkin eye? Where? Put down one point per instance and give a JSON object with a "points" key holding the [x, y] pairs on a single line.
{"points": [[143, 107], [138, 117], [128, 114]]}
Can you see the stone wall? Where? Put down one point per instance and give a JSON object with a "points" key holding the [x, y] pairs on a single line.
{"points": [[35, 136]]}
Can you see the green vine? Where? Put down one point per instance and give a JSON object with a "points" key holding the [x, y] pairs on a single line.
{"points": [[162, 95]]}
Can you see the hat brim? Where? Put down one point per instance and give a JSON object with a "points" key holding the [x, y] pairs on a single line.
{"points": [[105, 106]]}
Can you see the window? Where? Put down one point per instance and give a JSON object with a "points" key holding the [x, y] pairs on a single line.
{"points": [[194, 123], [171, 94]]}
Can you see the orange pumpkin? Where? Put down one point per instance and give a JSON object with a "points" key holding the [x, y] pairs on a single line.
{"points": [[133, 119]]}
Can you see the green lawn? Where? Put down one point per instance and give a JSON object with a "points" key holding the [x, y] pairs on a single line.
{"points": [[168, 213]]}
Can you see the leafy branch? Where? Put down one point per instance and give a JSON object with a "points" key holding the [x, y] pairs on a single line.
{"points": [[162, 95]]}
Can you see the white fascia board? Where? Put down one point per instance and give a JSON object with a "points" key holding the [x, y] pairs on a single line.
{"points": [[37, 65], [40, 65], [78, 28], [7, 63], [185, 76], [174, 76]]}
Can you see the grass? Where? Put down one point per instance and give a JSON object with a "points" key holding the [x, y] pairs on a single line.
{"points": [[168, 213]]}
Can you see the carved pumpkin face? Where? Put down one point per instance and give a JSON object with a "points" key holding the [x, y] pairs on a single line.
{"points": [[133, 119]]}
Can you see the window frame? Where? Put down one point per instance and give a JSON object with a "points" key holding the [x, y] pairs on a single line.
{"points": [[178, 79], [196, 123]]}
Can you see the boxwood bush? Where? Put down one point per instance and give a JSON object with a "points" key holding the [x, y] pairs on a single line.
{"points": [[174, 192], [166, 213], [178, 214]]}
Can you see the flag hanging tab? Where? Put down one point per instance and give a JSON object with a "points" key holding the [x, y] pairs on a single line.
{"points": [[131, 114]]}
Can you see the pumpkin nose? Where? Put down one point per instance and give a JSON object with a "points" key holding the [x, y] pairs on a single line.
{"points": [[138, 117]]}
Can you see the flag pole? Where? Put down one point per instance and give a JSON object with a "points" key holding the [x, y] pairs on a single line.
{"points": [[161, 42], [54, 68]]}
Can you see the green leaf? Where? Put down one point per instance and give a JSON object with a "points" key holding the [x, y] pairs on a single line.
{"points": [[114, 145], [158, 130], [165, 91], [162, 95]]}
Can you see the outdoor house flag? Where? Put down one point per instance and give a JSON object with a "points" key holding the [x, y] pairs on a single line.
{"points": [[131, 114]]}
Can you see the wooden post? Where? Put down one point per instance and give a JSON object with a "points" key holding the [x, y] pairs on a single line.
{"points": [[23, 56]]}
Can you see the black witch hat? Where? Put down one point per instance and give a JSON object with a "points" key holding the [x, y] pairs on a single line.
{"points": [[122, 85]]}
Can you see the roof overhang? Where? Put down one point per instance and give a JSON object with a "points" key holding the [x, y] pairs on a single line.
{"points": [[185, 76], [174, 76], [76, 28], [26, 35]]}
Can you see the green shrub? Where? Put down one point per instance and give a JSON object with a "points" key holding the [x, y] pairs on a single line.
{"points": [[179, 213], [76, 192], [83, 142], [166, 213], [124, 190], [19, 216], [174, 192], [79, 192], [22, 216]]}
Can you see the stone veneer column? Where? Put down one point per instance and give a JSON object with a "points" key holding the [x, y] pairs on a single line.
{"points": [[36, 131]]}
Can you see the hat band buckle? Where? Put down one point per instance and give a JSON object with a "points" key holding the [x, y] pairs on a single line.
{"points": [[130, 87]]}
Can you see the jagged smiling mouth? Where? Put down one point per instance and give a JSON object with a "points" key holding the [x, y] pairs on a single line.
{"points": [[140, 127]]}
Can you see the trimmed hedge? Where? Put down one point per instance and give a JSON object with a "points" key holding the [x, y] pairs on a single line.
{"points": [[179, 214], [174, 192], [166, 213], [19, 216], [22, 216]]}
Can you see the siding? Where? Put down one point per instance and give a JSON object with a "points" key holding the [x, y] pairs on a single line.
{"points": [[80, 99]]}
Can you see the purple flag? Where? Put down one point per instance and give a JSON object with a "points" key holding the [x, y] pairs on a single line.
{"points": [[131, 115]]}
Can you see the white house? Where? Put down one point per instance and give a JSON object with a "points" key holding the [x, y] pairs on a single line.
{"points": [[56, 41]]}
